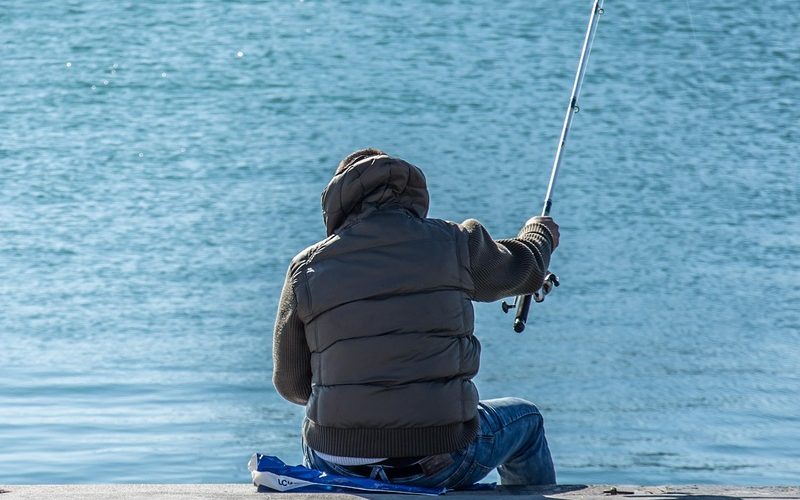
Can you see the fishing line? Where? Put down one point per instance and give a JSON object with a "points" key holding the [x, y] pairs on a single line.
{"points": [[697, 49]]}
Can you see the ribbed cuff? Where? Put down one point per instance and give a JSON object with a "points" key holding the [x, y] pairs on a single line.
{"points": [[537, 228]]}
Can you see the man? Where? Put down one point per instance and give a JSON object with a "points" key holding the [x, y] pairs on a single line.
{"points": [[374, 335]]}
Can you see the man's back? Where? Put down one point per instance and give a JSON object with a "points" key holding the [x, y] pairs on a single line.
{"points": [[374, 335], [385, 304]]}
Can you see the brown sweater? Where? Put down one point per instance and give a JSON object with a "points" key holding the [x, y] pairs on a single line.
{"points": [[499, 269]]}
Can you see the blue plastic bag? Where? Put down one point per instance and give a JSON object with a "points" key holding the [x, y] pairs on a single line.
{"points": [[271, 473]]}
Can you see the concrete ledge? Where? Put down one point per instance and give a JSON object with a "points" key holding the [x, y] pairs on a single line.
{"points": [[248, 491]]}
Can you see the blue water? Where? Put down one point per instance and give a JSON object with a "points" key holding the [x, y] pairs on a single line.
{"points": [[161, 163]]}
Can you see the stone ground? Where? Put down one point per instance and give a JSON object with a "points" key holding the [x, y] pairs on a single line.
{"points": [[248, 491]]}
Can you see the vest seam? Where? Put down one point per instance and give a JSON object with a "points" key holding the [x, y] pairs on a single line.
{"points": [[443, 381], [434, 333], [389, 295]]}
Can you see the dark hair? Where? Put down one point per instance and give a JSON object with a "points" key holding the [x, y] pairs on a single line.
{"points": [[355, 156]]}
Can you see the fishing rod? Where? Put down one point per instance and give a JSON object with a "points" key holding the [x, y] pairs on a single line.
{"points": [[523, 302]]}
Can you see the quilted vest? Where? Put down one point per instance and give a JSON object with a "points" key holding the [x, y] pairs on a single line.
{"points": [[385, 301]]}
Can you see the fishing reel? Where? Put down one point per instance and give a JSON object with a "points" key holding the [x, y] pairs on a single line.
{"points": [[550, 281]]}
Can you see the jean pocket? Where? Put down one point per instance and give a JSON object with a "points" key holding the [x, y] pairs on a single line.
{"points": [[476, 473], [484, 451]]}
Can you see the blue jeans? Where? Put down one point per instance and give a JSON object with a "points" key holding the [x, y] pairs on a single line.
{"points": [[511, 438]]}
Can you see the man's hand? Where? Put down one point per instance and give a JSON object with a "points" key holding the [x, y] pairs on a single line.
{"points": [[550, 224]]}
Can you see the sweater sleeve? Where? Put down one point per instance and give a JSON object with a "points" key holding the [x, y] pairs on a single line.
{"points": [[290, 353], [508, 267]]}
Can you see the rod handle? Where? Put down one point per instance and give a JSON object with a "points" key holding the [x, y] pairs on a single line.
{"points": [[521, 317]]}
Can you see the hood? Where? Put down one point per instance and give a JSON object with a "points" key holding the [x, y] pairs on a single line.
{"points": [[374, 182]]}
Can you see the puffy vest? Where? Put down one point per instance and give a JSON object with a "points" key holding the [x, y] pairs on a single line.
{"points": [[385, 301]]}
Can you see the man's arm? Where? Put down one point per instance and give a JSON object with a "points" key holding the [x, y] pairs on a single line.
{"points": [[290, 354], [513, 266]]}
